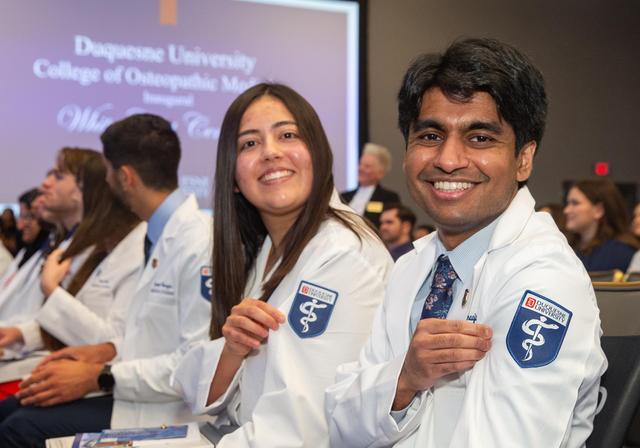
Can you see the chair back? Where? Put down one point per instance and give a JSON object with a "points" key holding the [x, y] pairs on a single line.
{"points": [[619, 392], [613, 275], [619, 305]]}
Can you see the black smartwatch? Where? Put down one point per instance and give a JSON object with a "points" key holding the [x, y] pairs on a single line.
{"points": [[106, 381]]}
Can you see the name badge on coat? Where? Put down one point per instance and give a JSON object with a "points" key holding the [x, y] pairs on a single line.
{"points": [[375, 207]]}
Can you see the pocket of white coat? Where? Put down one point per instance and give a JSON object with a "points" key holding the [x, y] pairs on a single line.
{"points": [[447, 406], [158, 316]]}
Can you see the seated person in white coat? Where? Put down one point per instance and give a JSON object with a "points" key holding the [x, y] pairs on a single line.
{"points": [[298, 277], [35, 236], [6, 259], [170, 308], [21, 299], [489, 335], [93, 305]]}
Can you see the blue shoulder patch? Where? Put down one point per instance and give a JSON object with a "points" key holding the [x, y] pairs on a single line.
{"points": [[537, 330], [206, 282], [311, 309]]}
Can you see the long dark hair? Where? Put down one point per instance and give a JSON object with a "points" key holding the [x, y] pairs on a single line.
{"points": [[105, 222], [238, 229], [614, 224]]}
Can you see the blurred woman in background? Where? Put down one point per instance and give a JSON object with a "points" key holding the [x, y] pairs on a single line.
{"points": [[9, 235], [599, 225], [634, 266]]}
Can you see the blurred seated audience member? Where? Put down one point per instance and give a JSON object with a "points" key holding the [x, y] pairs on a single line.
{"points": [[9, 234], [599, 223], [635, 223], [22, 297], [422, 230], [33, 229], [557, 213], [94, 305], [634, 266], [34, 232], [396, 229], [170, 308], [370, 197]]}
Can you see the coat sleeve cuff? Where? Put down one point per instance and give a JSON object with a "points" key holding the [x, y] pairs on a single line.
{"points": [[31, 336], [398, 422], [193, 376]]}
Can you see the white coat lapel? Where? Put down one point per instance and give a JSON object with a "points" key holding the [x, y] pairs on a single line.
{"points": [[406, 285], [156, 259], [170, 231], [510, 225], [513, 220]]}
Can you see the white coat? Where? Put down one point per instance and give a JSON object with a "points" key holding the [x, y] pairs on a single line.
{"points": [[168, 312], [98, 311], [33, 296], [21, 305], [9, 273], [19, 298], [5, 259], [497, 403], [276, 397]]}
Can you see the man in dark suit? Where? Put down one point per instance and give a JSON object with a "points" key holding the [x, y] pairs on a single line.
{"points": [[370, 197], [396, 229]]}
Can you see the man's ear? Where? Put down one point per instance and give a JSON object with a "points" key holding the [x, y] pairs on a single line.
{"points": [[525, 161], [128, 177], [406, 225]]}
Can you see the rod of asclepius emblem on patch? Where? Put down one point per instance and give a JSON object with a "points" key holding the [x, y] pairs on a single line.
{"points": [[537, 340], [308, 308]]}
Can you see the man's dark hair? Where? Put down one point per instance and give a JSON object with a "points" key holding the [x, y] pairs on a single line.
{"points": [[147, 143], [479, 65], [405, 214], [28, 197], [426, 227]]}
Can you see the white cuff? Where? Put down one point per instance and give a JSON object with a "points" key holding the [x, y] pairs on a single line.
{"points": [[31, 336]]}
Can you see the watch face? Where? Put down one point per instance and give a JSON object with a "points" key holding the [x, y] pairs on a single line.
{"points": [[106, 380]]}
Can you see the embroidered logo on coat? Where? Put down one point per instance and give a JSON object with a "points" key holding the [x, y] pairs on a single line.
{"points": [[311, 309], [537, 330], [206, 282]]}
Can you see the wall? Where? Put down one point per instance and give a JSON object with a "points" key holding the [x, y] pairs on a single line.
{"points": [[587, 50]]}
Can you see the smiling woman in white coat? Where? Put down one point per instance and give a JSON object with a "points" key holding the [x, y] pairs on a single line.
{"points": [[297, 275]]}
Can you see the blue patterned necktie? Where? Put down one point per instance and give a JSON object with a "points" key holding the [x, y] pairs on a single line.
{"points": [[439, 300]]}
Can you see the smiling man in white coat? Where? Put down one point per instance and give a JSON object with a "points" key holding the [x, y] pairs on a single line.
{"points": [[169, 311], [489, 335]]}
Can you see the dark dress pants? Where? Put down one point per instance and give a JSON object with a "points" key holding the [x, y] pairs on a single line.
{"points": [[29, 426]]}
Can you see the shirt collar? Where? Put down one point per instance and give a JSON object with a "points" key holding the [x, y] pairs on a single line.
{"points": [[162, 214], [367, 189], [465, 256], [71, 232]]}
